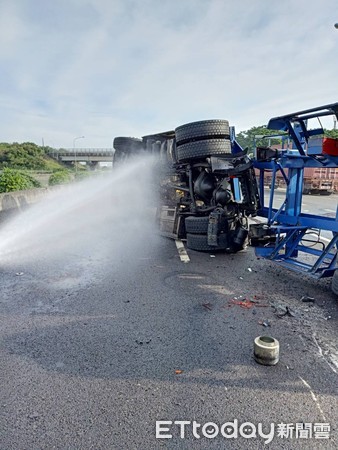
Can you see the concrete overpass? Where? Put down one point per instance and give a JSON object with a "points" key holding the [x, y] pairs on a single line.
{"points": [[88, 155], [91, 156]]}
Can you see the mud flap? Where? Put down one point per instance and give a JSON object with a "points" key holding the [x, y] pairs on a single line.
{"points": [[214, 227]]}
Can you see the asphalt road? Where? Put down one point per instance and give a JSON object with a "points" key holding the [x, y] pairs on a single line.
{"points": [[325, 205], [320, 204], [90, 347]]}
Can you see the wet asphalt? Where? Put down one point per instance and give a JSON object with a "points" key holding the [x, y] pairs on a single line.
{"points": [[95, 351]]}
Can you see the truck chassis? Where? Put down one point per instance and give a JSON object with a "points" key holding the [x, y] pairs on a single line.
{"points": [[206, 182]]}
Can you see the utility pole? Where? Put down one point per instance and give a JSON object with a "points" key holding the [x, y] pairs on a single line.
{"points": [[74, 149]]}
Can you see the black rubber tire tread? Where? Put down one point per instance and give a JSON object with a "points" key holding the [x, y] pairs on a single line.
{"points": [[197, 225], [128, 144], [126, 141], [334, 283], [203, 149], [199, 242], [203, 128]]}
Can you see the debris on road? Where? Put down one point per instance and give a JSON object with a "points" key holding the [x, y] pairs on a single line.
{"points": [[142, 342], [178, 371], [282, 310], [19, 274], [307, 299], [243, 303], [207, 306], [249, 269], [266, 350], [265, 323], [246, 303]]}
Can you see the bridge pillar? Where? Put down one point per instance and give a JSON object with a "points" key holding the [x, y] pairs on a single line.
{"points": [[69, 164], [92, 165]]}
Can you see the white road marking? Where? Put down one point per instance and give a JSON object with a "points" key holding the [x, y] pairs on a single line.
{"points": [[182, 251], [314, 398], [321, 353]]}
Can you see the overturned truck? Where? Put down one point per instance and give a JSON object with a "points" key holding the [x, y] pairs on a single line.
{"points": [[206, 182]]}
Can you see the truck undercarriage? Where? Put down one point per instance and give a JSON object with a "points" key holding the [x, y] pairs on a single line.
{"points": [[207, 184]]}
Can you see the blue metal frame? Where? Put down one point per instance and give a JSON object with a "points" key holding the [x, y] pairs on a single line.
{"points": [[288, 222], [235, 148]]}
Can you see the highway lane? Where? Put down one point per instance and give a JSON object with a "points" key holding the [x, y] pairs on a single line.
{"points": [[90, 346], [312, 204], [320, 204]]}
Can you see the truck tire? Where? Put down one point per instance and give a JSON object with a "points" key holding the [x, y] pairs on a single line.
{"points": [[334, 283], [199, 242], [202, 129], [197, 225], [203, 149], [127, 144]]}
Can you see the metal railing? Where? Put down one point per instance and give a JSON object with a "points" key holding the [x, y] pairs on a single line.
{"points": [[82, 151]]}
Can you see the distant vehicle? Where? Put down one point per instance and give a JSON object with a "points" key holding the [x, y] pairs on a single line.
{"points": [[316, 180]]}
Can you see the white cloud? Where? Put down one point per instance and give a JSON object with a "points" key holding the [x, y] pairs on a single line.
{"points": [[106, 68]]}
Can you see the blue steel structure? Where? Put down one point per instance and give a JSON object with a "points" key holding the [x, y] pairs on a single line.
{"points": [[284, 236]]}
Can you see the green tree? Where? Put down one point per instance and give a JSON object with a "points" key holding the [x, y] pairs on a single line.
{"points": [[331, 133], [60, 177], [248, 139], [15, 180], [26, 156], [83, 175]]}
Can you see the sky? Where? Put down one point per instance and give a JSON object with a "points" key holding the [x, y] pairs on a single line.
{"points": [[106, 68]]}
